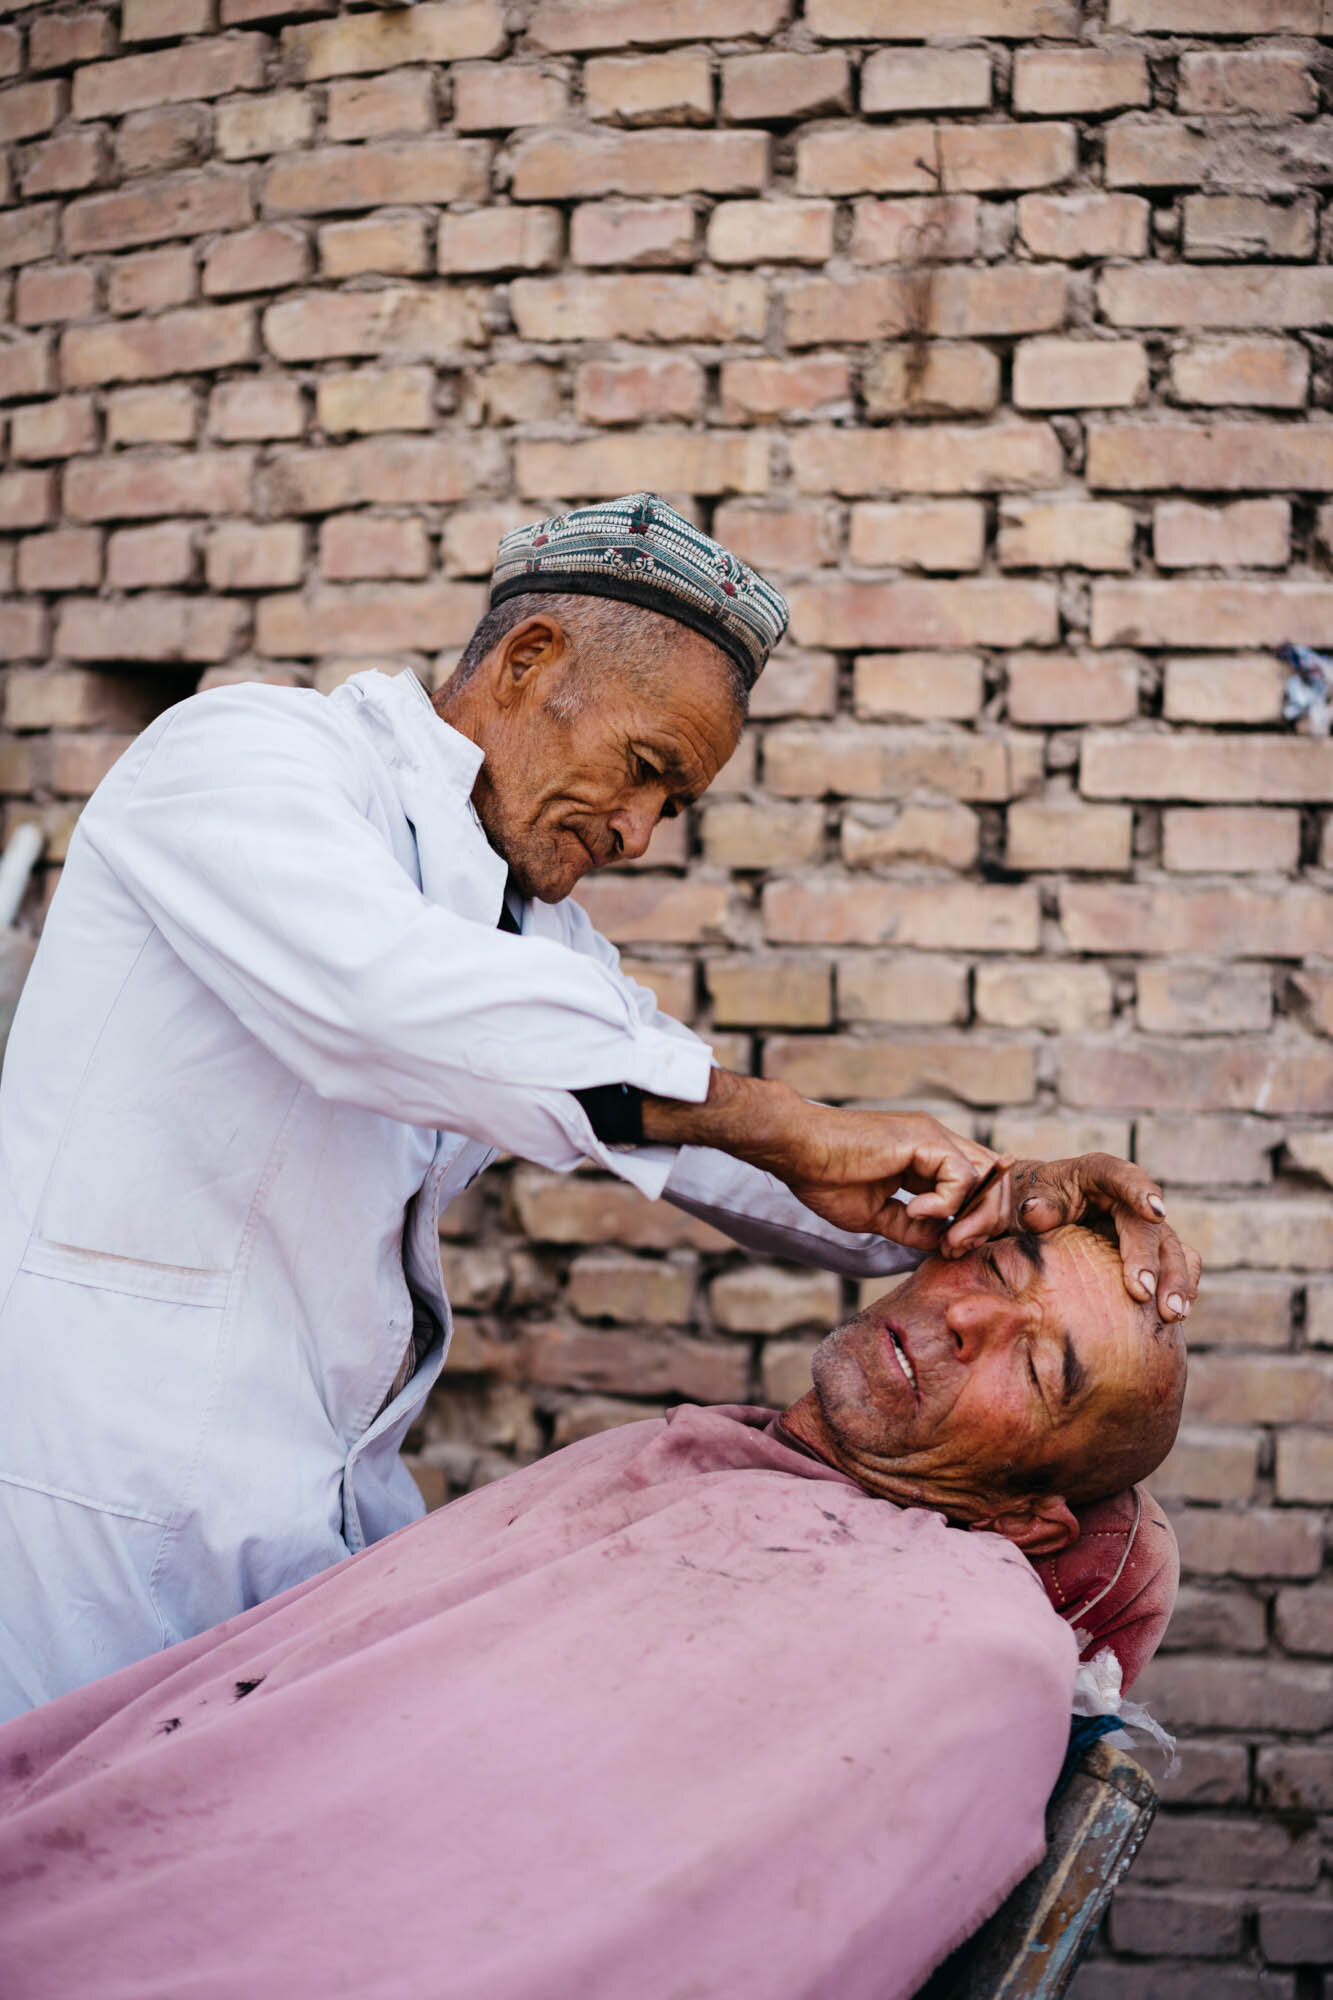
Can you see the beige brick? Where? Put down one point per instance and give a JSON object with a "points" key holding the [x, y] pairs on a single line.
{"points": [[27, 499], [613, 24], [502, 97], [26, 366], [771, 992], [1085, 224], [501, 239], [1243, 688], [555, 166], [159, 20], [362, 42], [164, 415], [258, 260], [937, 916], [388, 471], [1230, 839], [1274, 82], [397, 245], [375, 619], [329, 178], [1079, 374], [170, 76], [606, 1284], [1059, 997], [913, 80], [1228, 1149], [902, 989], [1214, 614], [1065, 534], [254, 407], [630, 392], [1192, 1000], [918, 614], [64, 559], [667, 462], [1305, 1467], [169, 135], [769, 1298], [920, 686], [147, 558], [1243, 227], [158, 630], [429, 322], [835, 1068], [942, 833], [740, 833], [135, 487], [54, 430], [650, 909], [782, 538], [767, 388], [472, 534], [785, 1371], [1059, 1135], [243, 555], [194, 339], [1216, 17], [867, 159], [151, 280], [593, 1208], [46, 292], [1311, 1153], [72, 160], [926, 534], [366, 545], [1222, 456], [904, 230], [639, 307], [953, 301], [1142, 152], [274, 121], [622, 1362], [777, 86], [771, 232], [1273, 374], [635, 233], [57, 41], [379, 107], [1004, 158], [75, 698], [1066, 834], [1250, 295], [1064, 689], [1235, 920], [1048, 81], [78, 764], [1214, 769], [29, 108], [1247, 534], [942, 458], [948, 378], [675, 88], [796, 683], [28, 234]]}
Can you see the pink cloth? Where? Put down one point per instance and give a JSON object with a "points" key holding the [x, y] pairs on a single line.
{"points": [[1116, 1585], [677, 1711]]}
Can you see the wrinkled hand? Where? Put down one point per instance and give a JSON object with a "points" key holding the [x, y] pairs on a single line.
{"points": [[848, 1166], [1044, 1194]]}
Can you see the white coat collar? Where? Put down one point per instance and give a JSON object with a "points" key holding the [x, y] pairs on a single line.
{"points": [[433, 768]]}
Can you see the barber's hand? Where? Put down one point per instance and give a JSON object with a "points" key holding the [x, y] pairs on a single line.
{"points": [[1046, 1193], [848, 1165]]}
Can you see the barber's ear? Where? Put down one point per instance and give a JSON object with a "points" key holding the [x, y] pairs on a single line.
{"points": [[1040, 1526], [530, 651]]}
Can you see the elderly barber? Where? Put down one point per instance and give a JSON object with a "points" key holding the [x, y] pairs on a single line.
{"points": [[311, 964]]}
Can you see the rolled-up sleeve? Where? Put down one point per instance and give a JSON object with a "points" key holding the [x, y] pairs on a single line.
{"points": [[246, 835]]}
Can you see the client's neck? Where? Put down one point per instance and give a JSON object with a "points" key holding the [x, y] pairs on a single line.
{"points": [[802, 1424]]}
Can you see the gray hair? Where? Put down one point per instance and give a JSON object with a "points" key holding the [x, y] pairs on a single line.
{"points": [[608, 637]]}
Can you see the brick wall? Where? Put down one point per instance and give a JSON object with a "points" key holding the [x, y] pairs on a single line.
{"points": [[998, 331]]}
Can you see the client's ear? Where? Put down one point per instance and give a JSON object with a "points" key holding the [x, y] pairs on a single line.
{"points": [[1041, 1525]]}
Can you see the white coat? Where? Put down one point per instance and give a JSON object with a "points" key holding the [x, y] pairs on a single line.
{"points": [[270, 1031]]}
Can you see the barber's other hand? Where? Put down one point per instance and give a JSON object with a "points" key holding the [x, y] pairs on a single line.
{"points": [[1046, 1193]]}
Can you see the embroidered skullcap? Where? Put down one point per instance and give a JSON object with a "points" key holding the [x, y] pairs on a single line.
{"points": [[640, 550]]}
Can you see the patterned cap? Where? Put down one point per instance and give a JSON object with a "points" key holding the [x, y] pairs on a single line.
{"points": [[642, 551]]}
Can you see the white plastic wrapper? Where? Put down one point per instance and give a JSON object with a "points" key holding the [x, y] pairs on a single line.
{"points": [[1097, 1692]]}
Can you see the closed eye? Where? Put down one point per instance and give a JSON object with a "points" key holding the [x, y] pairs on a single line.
{"points": [[648, 774]]}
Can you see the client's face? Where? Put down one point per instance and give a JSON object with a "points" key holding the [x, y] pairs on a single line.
{"points": [[999, 1386]]}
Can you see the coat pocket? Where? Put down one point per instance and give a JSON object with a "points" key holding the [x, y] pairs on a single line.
{"points": [[172, 1284]]}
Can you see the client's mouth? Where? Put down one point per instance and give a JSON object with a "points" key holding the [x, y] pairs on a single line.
{"points": [[900, 1355]]}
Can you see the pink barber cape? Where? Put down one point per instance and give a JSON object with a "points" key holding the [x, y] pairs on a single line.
{"points": [[677, 1711]]}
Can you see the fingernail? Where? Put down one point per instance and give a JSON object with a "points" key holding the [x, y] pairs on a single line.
{"points": [[1176, 1304], [1024, 1206], [1156, 1204], [1148, 1280]]}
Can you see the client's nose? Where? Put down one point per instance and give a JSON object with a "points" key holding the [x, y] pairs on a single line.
{"points": [[978, 1321]]}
